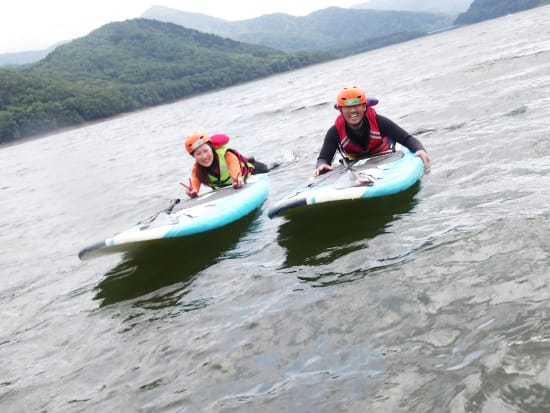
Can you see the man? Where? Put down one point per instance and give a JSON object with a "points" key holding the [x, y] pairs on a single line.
{"points": [[359, 131]]}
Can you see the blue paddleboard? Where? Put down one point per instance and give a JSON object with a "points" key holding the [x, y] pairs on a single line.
{"points": [[209, 211], [377, 176]]}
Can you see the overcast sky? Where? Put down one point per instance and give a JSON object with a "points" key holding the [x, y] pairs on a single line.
{"points": [[37, 24]]}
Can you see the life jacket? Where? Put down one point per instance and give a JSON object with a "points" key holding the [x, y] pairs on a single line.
{"points": [[224, 178], [377, 142]]}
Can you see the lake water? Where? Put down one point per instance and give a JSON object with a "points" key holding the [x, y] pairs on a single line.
{"points": [[436, 301]]}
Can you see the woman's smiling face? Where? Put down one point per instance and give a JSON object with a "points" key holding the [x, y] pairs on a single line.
{"points": [[204, 155]]}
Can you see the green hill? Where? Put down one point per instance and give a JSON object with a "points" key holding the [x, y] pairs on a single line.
{"points": [[125, 66]]}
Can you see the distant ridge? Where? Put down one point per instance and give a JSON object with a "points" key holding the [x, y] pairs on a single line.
{"points": [[27, 57], [306, 39], [481, 10], [321, 30]]}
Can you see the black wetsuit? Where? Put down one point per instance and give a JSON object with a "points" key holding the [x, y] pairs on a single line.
{"points": [[361, 138], [259, 167]]}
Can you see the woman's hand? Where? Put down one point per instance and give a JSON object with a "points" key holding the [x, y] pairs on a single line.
{"points": [[238, 182], [189, 190]]}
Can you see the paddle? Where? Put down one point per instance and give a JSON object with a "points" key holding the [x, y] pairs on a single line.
{"points": [[173, 203], [350, 178], [166, 211]]}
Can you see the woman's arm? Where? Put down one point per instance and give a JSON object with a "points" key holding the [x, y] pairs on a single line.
{"points": [[234, 169], [195, 181], [192, 189]]}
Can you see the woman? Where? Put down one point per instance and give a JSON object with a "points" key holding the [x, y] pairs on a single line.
{"points": [[216, 164]]}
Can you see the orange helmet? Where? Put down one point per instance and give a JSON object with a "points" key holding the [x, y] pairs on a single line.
{"points": [[350, 96], [195, 140]]}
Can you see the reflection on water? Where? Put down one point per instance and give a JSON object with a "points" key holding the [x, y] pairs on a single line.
{"points": [[171, 262], [319, 234]]}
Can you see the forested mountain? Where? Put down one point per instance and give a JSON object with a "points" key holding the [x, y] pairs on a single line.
{"points": [[125, 66], [129, 65], [331, 29], [481, 10]]}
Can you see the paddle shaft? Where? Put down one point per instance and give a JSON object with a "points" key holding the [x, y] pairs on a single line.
{"points": [[168, 210], [344, 157]]}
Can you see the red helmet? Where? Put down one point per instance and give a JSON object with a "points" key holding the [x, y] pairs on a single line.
{"points": [[195, 140]]}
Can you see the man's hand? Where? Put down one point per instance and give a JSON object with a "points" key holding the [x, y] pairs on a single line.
{"points": [[322, 169]]}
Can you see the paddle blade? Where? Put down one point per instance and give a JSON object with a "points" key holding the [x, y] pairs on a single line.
{"points": [[350, 179]]}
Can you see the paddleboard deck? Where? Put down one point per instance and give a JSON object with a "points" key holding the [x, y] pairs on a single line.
{"points": [[209, 211], [376, 176]]}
